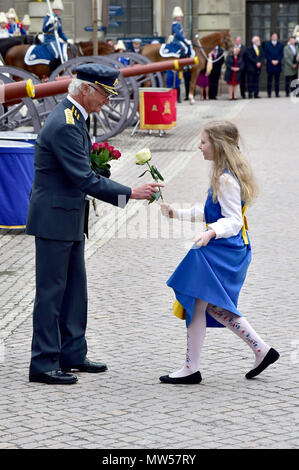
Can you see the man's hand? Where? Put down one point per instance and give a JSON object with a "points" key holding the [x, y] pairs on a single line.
{"points": [[169, 211], [106, 172], [146, 191], [205, 237]]}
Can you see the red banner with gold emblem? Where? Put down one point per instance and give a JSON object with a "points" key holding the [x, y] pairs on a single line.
{"points": [[157, 108]]}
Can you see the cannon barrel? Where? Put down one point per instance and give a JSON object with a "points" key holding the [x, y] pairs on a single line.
{"points": [[12, 92]]}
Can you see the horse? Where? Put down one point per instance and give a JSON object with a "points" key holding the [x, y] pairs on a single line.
{"points": [[7, 43], [202, 47], [15, 57]]}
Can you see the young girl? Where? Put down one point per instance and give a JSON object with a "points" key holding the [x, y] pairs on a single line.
{"points": [[208, 280]]}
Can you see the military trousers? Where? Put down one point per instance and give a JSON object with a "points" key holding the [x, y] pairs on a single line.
{"points": [[60, 307]]}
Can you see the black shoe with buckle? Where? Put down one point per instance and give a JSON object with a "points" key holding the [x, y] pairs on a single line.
{"points": [[86, 366], [53, 377]]}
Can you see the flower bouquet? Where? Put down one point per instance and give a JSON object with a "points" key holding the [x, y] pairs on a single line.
{"points": [[100, 155], [143, 157]]}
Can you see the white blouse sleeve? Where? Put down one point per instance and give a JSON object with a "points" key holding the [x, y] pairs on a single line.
{"points": [[194, 214], [229, 198]]}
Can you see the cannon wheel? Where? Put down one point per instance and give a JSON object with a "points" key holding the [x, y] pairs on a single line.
{"points": [[113, 117], [155, 78], [28, 113]]}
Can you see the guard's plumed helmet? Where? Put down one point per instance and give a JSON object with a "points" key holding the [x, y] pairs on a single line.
{"points": [[11, 13], [57, 5], [3, 18], [177, 11], [26, 20]]}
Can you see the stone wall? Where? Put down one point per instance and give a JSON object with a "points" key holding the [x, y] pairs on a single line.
{"points": [[217, 15], [208, 16]]}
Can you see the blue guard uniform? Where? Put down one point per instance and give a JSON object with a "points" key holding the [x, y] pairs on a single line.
{"points": [[214, 273], [16, 29], [57, 217], [179, 46], [48, 28], [49, 49]]}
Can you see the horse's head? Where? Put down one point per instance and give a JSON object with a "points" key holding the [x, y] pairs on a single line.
{"points": [[226, 40], [73, 50]]}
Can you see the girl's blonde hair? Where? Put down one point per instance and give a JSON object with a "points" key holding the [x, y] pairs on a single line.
{"points": [[224, 137]]}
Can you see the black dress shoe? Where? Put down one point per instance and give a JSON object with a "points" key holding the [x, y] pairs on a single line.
{"points": [[87, 366], [53, 377], [189, 379], [271, 356]]}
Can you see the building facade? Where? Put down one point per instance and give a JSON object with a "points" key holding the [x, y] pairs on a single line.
{"points": [[146, 18]]}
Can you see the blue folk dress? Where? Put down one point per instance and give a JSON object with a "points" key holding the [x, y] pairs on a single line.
{"points": [[214, 273]]}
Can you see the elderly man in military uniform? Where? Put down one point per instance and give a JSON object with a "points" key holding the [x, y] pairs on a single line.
{"points": [[57, 216]]}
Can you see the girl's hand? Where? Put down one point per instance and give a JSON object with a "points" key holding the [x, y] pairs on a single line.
{"points": [[169, 211], [205, 237]]}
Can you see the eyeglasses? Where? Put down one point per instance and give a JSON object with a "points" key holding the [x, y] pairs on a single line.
{"points": [[107, 97]]}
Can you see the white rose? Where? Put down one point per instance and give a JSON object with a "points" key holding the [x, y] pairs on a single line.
{"points": [[143, 156]]}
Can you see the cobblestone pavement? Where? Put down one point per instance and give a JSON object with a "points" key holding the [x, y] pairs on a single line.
{"points": [[130, 255]]}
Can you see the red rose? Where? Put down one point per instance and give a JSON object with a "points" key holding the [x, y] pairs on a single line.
{"points": [[111, 148], [104, 145], [116, 154], [96, 147]]}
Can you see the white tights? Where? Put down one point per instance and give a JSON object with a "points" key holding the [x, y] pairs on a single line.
{"points": [[197, 329]]}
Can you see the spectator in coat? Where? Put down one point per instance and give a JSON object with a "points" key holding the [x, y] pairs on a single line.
{"points": [[242, 47], [218, 59], [291, 58], [274, 54], [254, 60], [234, 65]]}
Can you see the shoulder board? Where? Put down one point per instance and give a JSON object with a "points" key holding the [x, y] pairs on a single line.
{"points": [[69, 118]]}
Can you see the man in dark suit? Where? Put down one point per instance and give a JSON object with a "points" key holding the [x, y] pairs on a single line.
{"points": [[218, 58], [242, 55], [254, 60], [274, 54], [57, 217]]}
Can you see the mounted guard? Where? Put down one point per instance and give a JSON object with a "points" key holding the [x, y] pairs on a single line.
{"points": [[53, 51], [177, 45]]}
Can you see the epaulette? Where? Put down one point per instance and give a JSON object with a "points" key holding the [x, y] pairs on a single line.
{"points": [[69, 118]]}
